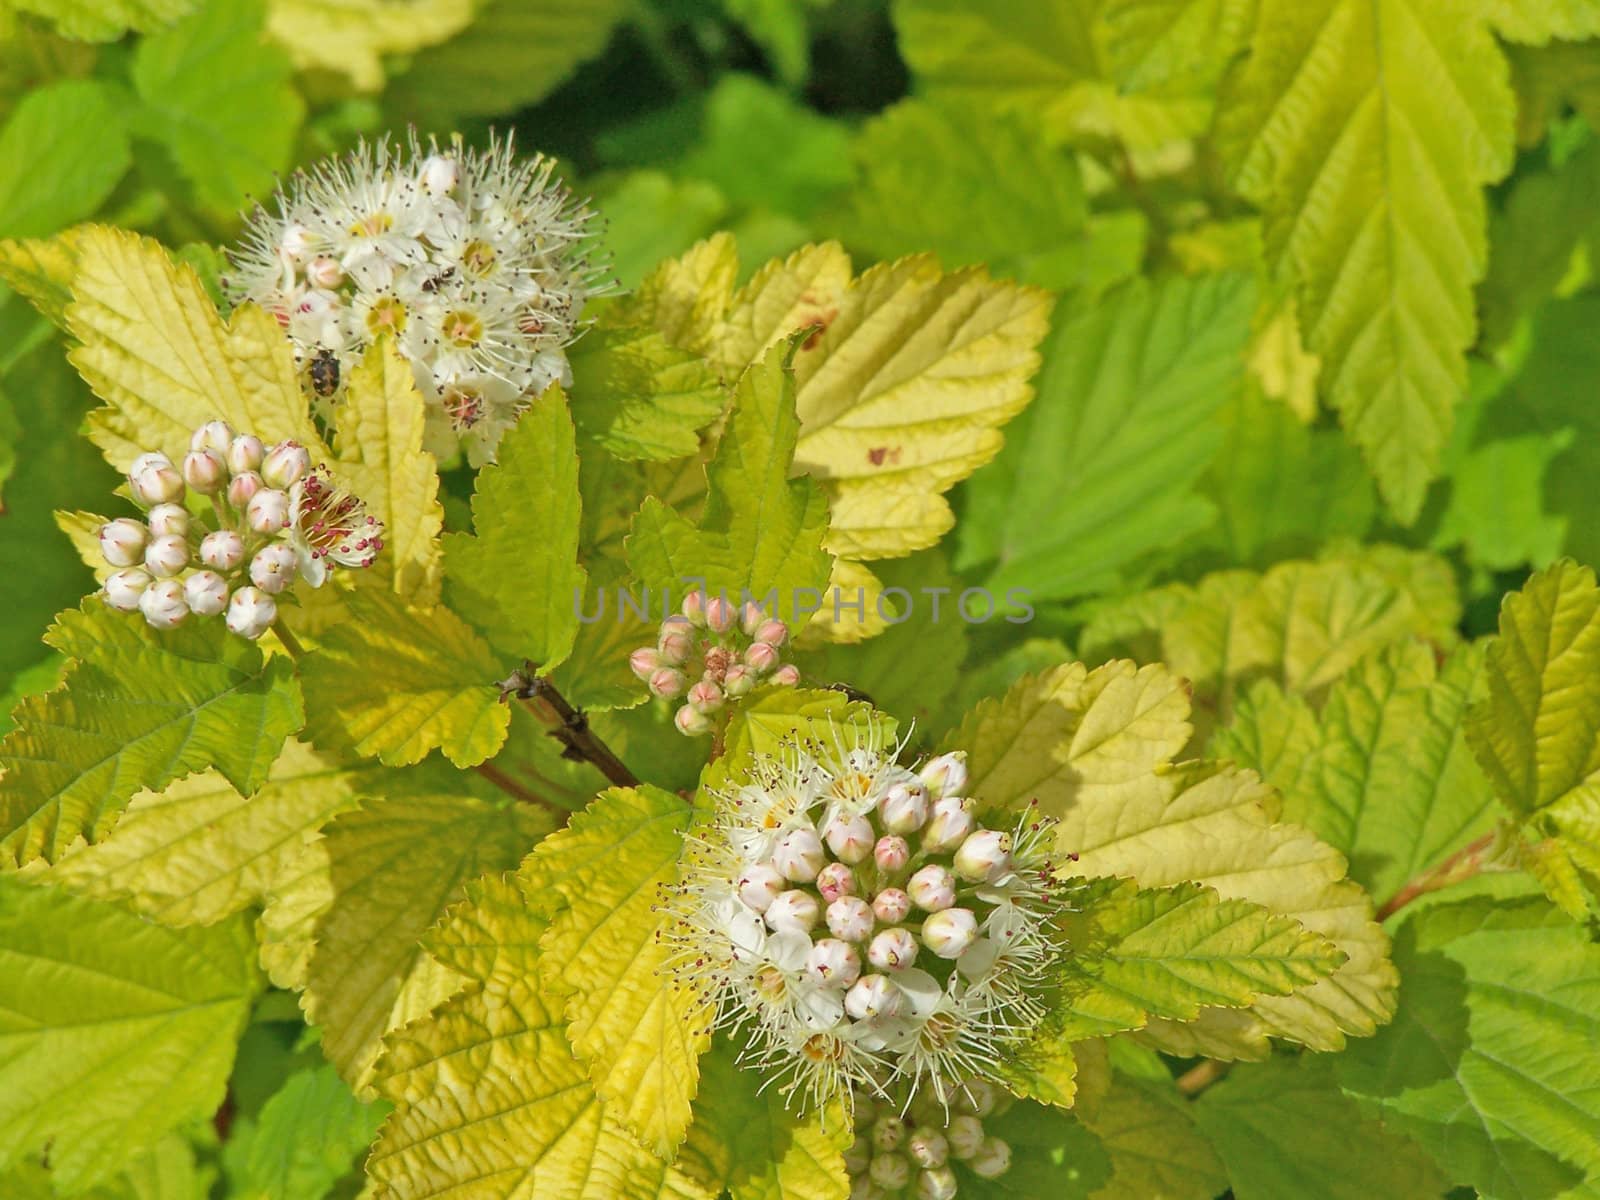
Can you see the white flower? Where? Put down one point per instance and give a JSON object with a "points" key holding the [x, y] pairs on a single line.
{"points": [[328, 524]]}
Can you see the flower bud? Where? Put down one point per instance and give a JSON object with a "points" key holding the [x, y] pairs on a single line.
{"points": [[946, 774], [978, 1096], [892, 950], [932, 888], [834, 963], [223, 550], [949, 824], [439, 174], [859, 1155], [150, 458], [324, 272], [927, 1147], [242, 488], [751, 615], [122, 541], [964, 1135], [676, 642], [936, 1183], [206, 593], [786, 676], [890, 1171], [691, 723], [984, 856], [862, 1188], [793, 910], [285, 465], [739, 681], [850, 838], [992, 1160], [251, 612], [694, 607], [759, 885], [799, 855], [891, 853], [123, 588], [760, 657], [644, 662], [213, 435], [904, 808], [872, 996], [666, 683], [720, 614], [774, 633], [205, 471], [245, 454], [169, 520], [159, 484], [166, 556], [849, 918], [163, 605], [835, 880], [891, 906], [705, 697], [889, 1133], [950, 932], [268, 510], [273, 568]]}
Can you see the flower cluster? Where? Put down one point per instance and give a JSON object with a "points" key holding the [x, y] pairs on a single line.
{"points": [[274, 518], [726, 651], [862, 925], [912, 1152], [474, 263]]}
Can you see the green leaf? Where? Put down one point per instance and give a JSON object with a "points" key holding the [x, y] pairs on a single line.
{"points": [[1370, 173], [650, 215], [1541, 21], [351, 37], [345, 923], [305, 1139], [1051, 1155], [1385, 776], [167, 1172], [1102, 469], [1496, 507], [221, 101], [106, 20], [1153, 1146], [518, 577], [640, 1035], [113, 1031], [1489, 1063], [639, 396], [42, 270], [139, 709], [395, 682], [64, 147], [1284, 1129], [1166, 46]]}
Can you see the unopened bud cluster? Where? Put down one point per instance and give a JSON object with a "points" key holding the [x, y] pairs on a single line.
{"points": [[474, 263], [864, 924], [273, 518], [913, 1153], [712, 652]]}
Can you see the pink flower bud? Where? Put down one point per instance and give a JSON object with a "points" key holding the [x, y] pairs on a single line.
{"points": [[644, 662], [927, 1147], [891, 906], [166, 556], [285, 465], [984, 856], [439, 174], [122, 541], [793, 910], [739, 681], [694, 607], [850, 838], [889, 1133], [273, 568], [964, 1135], [950, 823], [206, 593], [251, 612], [891, 853], [268, 511], [849, 918], [666, 682], [760, 657], [123, 588], [992, 1160], [720, 614], [750, 617], [904, 808], [759, 885], [833, 963], [774, 633], [242, 488], [950, 932], [936, 1183], [799, 855], [872, 996], [932, 889], [835, 880], [213, 435], [324, 272], [705, 697], [156, 485], [169, 520], [204, 471], [892, 949], [890, 1171], [223, 550], [245, 454], [150, 458], [163, 604], [946, 774], [676, 643], [786, 676], [691, 723]]}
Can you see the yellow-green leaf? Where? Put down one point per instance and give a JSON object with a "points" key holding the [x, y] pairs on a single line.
{"points": [[1154, 1148], [42, 269], [352, 37]]}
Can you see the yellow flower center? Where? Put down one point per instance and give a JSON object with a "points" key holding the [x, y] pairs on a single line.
{"points": [[387, 314], [463, 329], [479, 259], [372, 226]]}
